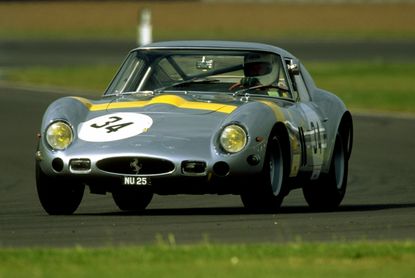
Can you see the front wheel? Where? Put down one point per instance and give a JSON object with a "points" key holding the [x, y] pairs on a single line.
{"points": [[58, 196], [328, 191], [269, 190], [132, 199]]}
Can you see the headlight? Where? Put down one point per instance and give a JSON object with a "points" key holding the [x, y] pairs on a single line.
{"points": [[233, 138], [59, 135]]}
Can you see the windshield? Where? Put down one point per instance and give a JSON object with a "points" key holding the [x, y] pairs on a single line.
{"points": [[221, 71]]}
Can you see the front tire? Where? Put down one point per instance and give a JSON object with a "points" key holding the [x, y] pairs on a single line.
{"points": [[132, 199], [271, 190], [58, 196], [328, 191]]}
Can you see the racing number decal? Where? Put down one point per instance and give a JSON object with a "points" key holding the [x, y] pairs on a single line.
{"points": [[315, 140], [114, 127]]}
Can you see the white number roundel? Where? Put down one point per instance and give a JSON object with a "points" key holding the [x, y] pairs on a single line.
{"points": [[114, 127]]}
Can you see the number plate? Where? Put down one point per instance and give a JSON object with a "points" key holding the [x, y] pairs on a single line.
{"points": [[136, 181]]}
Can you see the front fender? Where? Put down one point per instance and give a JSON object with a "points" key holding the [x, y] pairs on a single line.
{"points": [[69, 109], [258, 119]]}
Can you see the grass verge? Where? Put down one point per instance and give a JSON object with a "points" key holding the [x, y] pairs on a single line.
{"points": [[265, 260], [94, 78], [371, 85], [374, 86]]}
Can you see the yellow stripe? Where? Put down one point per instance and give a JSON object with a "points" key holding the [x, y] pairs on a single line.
{"points": [[164, 99], [276, 109], [84, 101]]}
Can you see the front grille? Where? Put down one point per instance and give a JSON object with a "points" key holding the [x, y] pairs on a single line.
{"points": [[135, 165]]}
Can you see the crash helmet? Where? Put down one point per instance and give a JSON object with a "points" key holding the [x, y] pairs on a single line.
{"points": [[262, 66]]}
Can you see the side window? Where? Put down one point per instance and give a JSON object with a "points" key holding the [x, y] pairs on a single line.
{"points": [[129, 76], [301, 87], [282, 82], [298, 84]]}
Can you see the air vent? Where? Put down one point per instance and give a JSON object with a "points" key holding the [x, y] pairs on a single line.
{"points": [[80, 165], [194, 168]]}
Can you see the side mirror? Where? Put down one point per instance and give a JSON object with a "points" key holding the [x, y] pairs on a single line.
{"points": [[294, 67]]}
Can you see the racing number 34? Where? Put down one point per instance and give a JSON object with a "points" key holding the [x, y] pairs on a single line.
{"points": [[112, 124]]}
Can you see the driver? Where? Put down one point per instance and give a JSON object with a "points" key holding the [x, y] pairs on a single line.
{"points": [[259, 69]]}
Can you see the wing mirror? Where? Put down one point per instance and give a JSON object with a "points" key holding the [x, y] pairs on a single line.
{"points": [[294, 67]]}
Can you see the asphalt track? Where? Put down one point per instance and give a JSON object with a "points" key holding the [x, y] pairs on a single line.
{"points": [[379, 204]]}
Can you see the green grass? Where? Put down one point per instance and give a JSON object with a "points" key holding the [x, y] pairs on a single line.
{"points": [[371, 85], [206, 260], [376, 86], [93, 78]]}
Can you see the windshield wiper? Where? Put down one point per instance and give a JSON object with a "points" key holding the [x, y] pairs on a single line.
{"points": [[130, 93], [139, 92], [112, 95], [259, 87], [184, 82]]}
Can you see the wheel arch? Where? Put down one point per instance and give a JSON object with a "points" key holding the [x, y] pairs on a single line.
{"points": [[345, 130], [279, 130]]}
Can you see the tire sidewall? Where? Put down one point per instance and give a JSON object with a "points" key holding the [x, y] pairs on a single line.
{"points": [[58, 196], [327, 192], [132, 199]]}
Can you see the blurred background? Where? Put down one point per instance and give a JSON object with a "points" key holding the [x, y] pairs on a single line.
{"points": [[363, 50]]}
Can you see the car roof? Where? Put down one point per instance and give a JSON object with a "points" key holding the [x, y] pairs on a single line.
{"points": [[214, 44]]}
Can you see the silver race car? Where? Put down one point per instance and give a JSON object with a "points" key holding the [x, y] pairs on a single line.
{"points": [[198, 117]]}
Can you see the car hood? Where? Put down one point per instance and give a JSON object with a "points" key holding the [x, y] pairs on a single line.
{"points": [[161, 125], [187, 104]]}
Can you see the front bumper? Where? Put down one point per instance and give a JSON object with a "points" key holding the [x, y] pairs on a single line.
{"points": [[179, 175]]}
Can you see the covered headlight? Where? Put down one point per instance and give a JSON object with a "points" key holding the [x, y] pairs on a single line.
{"points": [[59, 135], [233, 138]]}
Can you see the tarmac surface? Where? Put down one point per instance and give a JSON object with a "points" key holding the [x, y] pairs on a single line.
{"points": [[379, 203]]}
